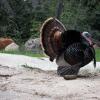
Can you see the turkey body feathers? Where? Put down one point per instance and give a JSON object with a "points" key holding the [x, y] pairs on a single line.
{"points": [[71, 48], [78, 53]]}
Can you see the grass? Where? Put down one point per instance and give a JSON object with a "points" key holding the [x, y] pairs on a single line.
{"points": [[29, 53], [97, 54]]}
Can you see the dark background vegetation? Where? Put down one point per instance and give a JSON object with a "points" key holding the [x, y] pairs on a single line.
{"points": [[22, 19]]}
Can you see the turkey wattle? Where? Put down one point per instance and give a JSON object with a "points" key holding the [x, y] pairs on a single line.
{"points": [[71, 49]]}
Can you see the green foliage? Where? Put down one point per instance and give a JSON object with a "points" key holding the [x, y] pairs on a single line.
{"points": [[40, 13], [35, 28], [16, 26], [21, 19], [83, 15]]}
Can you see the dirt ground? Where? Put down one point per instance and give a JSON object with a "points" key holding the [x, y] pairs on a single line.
{"points": [[36, 84]]}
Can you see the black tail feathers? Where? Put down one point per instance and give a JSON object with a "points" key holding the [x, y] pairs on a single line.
{"points": [[94, 57]]}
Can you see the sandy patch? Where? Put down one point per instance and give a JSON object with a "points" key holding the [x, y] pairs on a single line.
{"points": [[23, 83]]}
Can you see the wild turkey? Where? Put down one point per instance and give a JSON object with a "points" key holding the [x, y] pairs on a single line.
{"points": [[71, 49]]}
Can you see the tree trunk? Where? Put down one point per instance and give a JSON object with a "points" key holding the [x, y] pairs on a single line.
{"points": [[59, 9]]}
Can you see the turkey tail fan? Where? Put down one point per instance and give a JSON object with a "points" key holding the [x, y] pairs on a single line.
{"points": [[50, 38]]}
